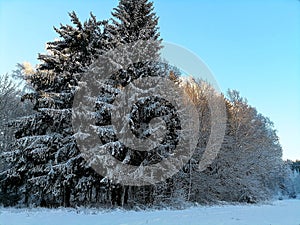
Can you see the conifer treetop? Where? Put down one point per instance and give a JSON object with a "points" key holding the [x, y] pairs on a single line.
{"points": [[134, 20]]}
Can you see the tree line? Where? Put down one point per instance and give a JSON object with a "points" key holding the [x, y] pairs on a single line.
{"points": [[43, 164]]}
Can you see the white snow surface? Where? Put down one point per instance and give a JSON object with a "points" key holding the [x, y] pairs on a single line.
{"points": [[285, 212]]}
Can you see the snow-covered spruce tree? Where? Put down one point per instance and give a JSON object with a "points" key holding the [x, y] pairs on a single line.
{"points": [[76, 48], [47, 168], [133, 22]]}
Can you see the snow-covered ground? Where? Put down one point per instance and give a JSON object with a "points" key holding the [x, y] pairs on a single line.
{"points": [[286, 212]]}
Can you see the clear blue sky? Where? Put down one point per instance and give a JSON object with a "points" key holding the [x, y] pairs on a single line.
{"points": [[251, 45]]}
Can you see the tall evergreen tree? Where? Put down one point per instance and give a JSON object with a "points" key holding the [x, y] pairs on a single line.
{"points": [[47, 167], [135, 22]]}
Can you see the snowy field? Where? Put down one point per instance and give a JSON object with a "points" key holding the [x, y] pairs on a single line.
{"points": [[286, 212]]}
